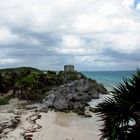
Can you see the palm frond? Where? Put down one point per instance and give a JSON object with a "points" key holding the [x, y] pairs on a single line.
{"points": [[117, 111]]}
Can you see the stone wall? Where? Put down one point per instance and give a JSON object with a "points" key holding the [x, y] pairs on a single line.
{"points": [[69, 68]]}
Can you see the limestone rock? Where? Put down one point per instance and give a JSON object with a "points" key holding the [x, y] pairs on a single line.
{"points": [[73, 96]]}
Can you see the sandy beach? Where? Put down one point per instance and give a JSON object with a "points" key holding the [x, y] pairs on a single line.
{"points": [[62, 126], [50, 126]]}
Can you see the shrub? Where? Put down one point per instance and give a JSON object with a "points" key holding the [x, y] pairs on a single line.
{"points": [[4, 100]]}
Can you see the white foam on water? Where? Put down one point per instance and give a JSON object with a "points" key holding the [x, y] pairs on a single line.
{"points": [[102, 97]]}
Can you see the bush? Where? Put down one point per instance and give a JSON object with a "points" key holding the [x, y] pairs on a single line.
{"points": [[4, 100], [51, 72]]}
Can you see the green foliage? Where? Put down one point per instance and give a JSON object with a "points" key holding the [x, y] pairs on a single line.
{"points": [[124, 107], [51, 72], [4, 100], [20, 69], [32, 84], [70, 76]]}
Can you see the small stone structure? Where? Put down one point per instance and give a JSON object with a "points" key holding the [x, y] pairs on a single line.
{"points": [[68, 68]]}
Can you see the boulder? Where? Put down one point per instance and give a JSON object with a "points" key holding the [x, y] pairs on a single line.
{"points": [[60, 103], [73, 96]]}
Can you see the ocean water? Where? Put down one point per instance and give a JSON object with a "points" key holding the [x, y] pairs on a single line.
{"points": [[108, 78]]}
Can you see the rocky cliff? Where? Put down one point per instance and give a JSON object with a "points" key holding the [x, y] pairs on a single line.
{"points": [[73, 95]]}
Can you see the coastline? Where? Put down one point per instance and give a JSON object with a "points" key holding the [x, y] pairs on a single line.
{"points": [[28, 121], [109, 79], [53, 125]]}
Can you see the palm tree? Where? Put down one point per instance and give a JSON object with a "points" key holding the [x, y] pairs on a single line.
{"points": [[121, 112]]}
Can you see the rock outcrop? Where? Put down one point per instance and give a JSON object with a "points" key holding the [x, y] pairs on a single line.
{"points": [[73, 96]]}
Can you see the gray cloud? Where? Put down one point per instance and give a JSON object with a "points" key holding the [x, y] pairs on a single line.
{"points": [[94, 35]]}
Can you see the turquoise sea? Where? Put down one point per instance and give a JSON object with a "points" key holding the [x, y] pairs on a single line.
{"points": [[108, 78]]}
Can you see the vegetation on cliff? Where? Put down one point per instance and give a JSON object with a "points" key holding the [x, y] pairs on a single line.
{"points": [[20, 69], [121, 113], [4, 100], [32, 84], [25, 83]]}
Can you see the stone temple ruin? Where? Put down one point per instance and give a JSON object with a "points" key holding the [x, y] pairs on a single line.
{"points": [[69, 68]]}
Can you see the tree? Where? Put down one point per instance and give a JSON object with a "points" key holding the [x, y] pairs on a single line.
{"points": [[121, 112], [1, 83]]}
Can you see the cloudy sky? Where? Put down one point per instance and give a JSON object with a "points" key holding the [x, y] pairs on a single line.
{"points": [[90, 34]]}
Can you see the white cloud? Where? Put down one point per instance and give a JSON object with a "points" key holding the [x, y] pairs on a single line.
{"points": [[84, 29], [138, 6], [90, 23], [125, 43], [6, 36], [128, 3], [8, 61], [71, 41]]}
